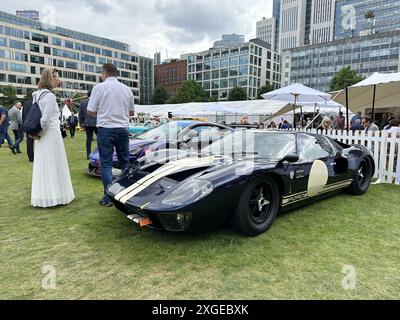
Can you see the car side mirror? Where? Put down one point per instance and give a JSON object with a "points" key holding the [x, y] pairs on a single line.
{"points": [[291, 157]]}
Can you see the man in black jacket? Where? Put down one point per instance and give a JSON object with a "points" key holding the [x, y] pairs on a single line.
{"points": [[72, 123], [87, 122], [27, 105]]}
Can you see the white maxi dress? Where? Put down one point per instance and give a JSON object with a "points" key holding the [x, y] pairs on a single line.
{"points": [[51, 181]]}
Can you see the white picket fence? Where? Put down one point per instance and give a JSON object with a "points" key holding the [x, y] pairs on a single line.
{"points": [[384, 145]]}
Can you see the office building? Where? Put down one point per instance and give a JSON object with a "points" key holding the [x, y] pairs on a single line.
{"points": [[292, 23], [28, 14], [276, 13], [352, 19], [146, 80], [26, 48], [266, 31], [229, 40], [316, 65], [322, 21], [249, 65], [157, 58], [171, 75]]}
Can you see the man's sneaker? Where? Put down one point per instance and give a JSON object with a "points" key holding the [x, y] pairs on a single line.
{"points": [[106, 202], [13, 150]]}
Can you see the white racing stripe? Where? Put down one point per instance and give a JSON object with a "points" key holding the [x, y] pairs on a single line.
{"points": [[168, 169]]}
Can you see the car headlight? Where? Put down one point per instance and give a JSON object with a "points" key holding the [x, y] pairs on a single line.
{"points": [[136, 152], [115, 188], [190, 191]]}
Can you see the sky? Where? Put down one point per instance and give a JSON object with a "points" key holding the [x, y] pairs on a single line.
{"points": [[170, 26]]}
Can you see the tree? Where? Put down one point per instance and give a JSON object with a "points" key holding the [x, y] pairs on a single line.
{"points": [[160, 95], [345, 77], [191, 91], [237, 94], [9, 96], [369, 14], [264, 89]]}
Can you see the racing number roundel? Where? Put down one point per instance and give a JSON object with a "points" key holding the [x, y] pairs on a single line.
{"points": [[318, 178]]}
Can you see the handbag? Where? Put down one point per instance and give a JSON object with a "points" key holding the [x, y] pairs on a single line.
{"points": [[32, 125]]}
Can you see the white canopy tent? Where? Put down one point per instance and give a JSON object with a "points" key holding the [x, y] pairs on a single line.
{"points": [[380, 89]]}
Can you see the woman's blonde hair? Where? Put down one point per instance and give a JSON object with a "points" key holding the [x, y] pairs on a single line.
{"points": [[326, 119], [46, 79]]}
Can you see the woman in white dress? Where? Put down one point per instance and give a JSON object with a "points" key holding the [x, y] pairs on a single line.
{"points": [[51, 181]]}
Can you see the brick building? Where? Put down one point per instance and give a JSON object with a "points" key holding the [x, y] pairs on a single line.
{"points": [[171, 75]]}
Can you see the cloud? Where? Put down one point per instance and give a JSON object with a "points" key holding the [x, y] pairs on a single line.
{"points": [[175, 26]]}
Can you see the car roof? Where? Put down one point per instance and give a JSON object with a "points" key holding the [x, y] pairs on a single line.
{"points": [[185, 123]]}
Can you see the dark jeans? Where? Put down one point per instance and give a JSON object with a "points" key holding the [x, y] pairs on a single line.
{"points": [[107, 140], [72, 131], [29, 148], [19, 137], [4, 135], [89, 139]]}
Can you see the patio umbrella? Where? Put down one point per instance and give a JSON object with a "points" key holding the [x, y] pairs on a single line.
{"points": [[297, 93]]}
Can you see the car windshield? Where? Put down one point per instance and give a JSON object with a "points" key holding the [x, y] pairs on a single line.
{"points": [[166, 131], [262, 145]]}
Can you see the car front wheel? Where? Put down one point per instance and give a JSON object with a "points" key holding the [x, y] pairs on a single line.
{"points": [[257, 207]]}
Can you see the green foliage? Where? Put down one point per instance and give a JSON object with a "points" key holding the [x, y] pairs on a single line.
{"points": [[345, 77], [191, 91], [9, 96], [264, 89], [160, 95], [369, 14], [237, 94]]}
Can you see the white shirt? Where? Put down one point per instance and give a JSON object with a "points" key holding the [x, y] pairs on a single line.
{"points": [[112, 101], [49, 108]]}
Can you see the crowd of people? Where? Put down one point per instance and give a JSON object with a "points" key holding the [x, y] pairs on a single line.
{"points": [[106, 112]]}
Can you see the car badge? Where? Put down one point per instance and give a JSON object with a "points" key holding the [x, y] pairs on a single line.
{"points": [[291, 175]]}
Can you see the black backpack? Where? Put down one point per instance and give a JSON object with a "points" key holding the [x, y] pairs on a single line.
{"points": [[32, 124]]}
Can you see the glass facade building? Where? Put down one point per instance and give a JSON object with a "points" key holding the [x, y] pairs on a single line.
{"points": [[146, 72], [28, 46], [249, 65], [350, 20], [315, 65]]}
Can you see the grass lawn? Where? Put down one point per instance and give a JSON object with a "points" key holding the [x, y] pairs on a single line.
{"points": [[99, 254]]}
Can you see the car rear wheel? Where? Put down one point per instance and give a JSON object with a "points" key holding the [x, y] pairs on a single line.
{"points": [[361, 178], [257, 207]]}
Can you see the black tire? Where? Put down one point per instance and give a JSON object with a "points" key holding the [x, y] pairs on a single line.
{"points": [[361, 178], [248, 218]]}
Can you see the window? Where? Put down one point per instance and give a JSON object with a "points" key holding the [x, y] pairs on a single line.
{"points": [[40, 38], [233, 72], [215, 74], [3, 42], [34, 47], [207, 75], [244, 50], [243, 70], [244, 60], [215, 64], [311, 147], [215, 84], [224, 73], [234, 61], [17, 44], [223, 83], [234, 52], [69, 44], [233, 82], [19, 56], [18, 67], [206, 85], [56, 42], [87, 58], [37, 59], [47, 50], [71, 65], [107, 53]]}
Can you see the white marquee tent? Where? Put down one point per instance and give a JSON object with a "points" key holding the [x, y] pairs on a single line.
{"points": [[380, 89]]}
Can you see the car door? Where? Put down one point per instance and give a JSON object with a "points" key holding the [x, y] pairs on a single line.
{"points": [[313, 172]]}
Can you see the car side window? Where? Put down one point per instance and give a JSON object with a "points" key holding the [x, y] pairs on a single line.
{"points": [[313, 147]]}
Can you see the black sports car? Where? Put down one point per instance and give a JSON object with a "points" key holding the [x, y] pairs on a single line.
{"points": [[245, 178]]}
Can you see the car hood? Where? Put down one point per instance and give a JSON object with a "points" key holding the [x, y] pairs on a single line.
{"points": [[149, 185]]}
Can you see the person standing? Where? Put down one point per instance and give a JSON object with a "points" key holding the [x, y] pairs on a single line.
{"points": [[51, 181], [27, 105], [356, 117], [15, 117], [72, 122], [369, 125], [339, 121], [4, 125], [88, 123], [112, 102]]}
